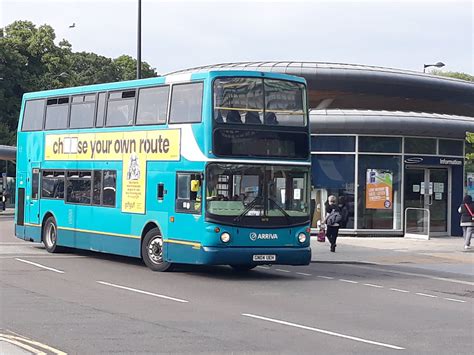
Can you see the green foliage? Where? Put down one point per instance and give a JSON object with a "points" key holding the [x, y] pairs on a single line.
{"points": [[31, 61], [452, 74]]}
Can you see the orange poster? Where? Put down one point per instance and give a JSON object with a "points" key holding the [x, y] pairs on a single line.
{"points": [[379, 189]]}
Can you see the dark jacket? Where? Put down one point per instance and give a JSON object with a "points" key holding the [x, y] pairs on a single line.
{"points": [[465, 215]]}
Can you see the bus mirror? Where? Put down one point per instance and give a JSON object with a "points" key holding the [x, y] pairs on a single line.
{"points": [[195, 184]]}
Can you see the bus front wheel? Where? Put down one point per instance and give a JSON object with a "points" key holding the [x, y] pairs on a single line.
{"points": [[152, 251], [50, 236]]}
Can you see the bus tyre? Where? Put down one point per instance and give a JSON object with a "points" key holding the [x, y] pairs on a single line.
{"points": [[152, 251], [243, 268], [50, 236]]}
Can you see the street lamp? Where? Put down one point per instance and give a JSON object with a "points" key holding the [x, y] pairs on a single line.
{"points": [[139, 40], [437, 65]]}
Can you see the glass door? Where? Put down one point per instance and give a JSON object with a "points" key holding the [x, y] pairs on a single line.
{"points": [[427, 188]]}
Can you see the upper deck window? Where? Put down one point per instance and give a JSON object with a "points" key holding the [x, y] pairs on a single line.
{"points": [[57, 111], [259, 101], [33, 116], [82, 111], [186, 103], [120, 108], [152, 105]]}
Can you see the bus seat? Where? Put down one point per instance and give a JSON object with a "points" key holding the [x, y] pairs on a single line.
{"points": [[270, 118], [252, 117], [233, 117]]}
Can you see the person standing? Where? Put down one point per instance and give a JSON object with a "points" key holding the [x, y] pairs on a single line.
{"points": [[467, 220], [332, 221]]}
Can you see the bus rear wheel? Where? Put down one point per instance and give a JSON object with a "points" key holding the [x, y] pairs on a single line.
{"points": [[50, 236], [152, 251]]}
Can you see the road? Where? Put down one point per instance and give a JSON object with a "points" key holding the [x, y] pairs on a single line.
{"points": [[87, 303]]}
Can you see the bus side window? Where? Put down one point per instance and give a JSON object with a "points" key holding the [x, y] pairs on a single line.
{"points": [[188, 193], [109, 188], [35, 184]]}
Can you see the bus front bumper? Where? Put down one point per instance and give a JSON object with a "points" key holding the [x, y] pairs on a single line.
{"points": [[246, 256]]}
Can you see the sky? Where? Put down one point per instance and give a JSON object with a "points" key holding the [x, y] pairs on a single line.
{"points": [[182, 34]]}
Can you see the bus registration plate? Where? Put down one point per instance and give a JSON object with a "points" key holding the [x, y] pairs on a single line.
{"points": [[264, 257]]}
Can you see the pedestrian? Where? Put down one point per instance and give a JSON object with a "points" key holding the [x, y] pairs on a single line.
{"points": [[332, 221], [344, 212], [467, 220], [3, 198]]}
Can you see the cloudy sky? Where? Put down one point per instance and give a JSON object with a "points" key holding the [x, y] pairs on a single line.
{"points": [[180, 34]]}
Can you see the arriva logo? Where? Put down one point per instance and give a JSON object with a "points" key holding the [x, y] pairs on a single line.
{"points": [[263, 236]]}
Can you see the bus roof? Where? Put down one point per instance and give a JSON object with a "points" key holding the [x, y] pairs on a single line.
{"points": [[173, 78]]}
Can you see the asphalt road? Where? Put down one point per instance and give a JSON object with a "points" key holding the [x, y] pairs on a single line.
{"points": [[88, 303]]}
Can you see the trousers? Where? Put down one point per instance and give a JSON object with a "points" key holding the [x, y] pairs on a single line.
{"points": [[467, 233], [331, 234]]}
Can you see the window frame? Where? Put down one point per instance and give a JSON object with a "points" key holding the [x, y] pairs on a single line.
{"points": [[182, 210], [66, 186], [168, 104], [170, 101], [64, 183], [58, 104], [108, 100], [43, 118], [94, 114]]}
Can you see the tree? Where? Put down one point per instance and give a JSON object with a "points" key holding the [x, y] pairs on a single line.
{"points": [[127, 68], [452, 74], [31, 61]]}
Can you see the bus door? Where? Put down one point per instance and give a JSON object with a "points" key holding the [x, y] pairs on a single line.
{"points": [[33, 194]]}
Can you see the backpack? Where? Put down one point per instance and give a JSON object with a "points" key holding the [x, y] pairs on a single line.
{"points": [[335, 217]]}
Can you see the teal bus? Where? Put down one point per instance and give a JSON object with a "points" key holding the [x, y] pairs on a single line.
{"points": [[191, 168]]}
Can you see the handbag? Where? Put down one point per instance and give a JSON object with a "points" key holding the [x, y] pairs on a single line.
{"points": [[321, 235], [469, 210]]}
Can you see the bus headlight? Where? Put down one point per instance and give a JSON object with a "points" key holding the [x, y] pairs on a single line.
{"points": [[225, 237], [302, 237]]}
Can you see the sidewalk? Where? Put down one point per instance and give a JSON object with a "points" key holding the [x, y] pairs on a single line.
{"points": [[7, 212], [444, 254]]}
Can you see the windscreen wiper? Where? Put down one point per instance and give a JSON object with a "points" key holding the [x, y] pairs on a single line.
{"points": [[248, 208], [287, 216]]}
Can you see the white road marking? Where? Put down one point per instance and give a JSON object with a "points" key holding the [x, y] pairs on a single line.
{"points": [[264, 267], [143, 292], [462, 282], [348, 281], [398, 290], [326, 277], [323, 331], [23, 346], [304, 274], [454, 300], [32, 342], [281, 270], [39, 265], [372, 285], [425, 295]]}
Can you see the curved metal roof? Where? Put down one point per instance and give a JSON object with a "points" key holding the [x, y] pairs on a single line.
{"points": [[7, 152], [390, 123], [351, 86]]}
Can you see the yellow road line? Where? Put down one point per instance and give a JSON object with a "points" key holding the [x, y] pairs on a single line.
{"points": [[17, 339]]}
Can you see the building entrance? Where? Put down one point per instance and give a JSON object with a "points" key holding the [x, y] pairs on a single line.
{"points": [[429, 188]]}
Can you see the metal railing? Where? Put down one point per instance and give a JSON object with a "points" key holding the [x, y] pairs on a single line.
{"points": [[417, 223]]}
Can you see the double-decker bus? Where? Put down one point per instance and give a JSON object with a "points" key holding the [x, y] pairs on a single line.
{"points": [[195, 168]]}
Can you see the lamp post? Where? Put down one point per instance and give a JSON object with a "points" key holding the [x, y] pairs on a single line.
{"points": [[139, 40], [437, 65]]}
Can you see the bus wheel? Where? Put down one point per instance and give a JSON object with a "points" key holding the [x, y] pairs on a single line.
{"points": [[243, 268], [50, 236], [152, 251]]}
